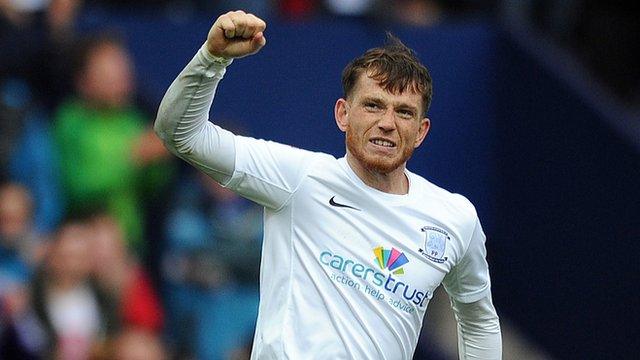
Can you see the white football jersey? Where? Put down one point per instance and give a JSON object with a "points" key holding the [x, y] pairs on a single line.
{"points": [[348, 271]]}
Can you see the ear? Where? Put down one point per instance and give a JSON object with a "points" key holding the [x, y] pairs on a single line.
{"points": [[425, 125], [341, 114]]}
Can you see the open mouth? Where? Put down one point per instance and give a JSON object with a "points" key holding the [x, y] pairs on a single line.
{"points": [[383, 142]]}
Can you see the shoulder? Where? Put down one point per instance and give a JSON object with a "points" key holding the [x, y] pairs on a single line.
{"points": [[322, 161], [452, 208], [276, 162], [450, 200], [269, 148]]}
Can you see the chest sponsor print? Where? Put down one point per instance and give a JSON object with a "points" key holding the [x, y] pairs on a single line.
{"points": [[382, 279]]}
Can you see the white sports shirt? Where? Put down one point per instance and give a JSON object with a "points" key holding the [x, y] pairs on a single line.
{"points": [[347, 271]]}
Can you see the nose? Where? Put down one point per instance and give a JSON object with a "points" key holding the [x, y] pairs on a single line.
{"points": [[387, 122]]}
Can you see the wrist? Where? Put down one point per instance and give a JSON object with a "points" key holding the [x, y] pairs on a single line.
{"points": [[216, 59]]}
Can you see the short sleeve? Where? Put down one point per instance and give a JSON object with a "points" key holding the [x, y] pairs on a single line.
{"points": [[268, 172], [469, 280]]}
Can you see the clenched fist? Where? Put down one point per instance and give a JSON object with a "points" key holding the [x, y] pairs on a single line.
{"points": [[236, 34]]}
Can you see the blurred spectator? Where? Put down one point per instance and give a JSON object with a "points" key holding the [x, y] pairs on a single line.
{"points": [[353, 8], [20, 247], [123, 3], [132, 344], [298, 9], [211, 267], [75, 314], [122, 277], [20, 250], [27, 153], [58, 14], [417, 12], [109, 156], [21, 336], [135, 344], [172, 8], [208, 217], [34, 39]]}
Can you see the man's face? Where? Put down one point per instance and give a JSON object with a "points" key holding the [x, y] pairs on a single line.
{"points": [[68, 260], [107, 79], [15, 214], [382, 129]]}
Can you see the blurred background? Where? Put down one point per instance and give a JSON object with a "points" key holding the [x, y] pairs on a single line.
{"points": [[112, 249]]}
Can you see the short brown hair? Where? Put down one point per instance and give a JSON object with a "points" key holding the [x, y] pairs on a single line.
{"points": [[394, 66]]}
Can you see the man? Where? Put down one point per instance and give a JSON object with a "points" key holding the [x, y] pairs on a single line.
{"points": [[353, 247], [107, 155]]}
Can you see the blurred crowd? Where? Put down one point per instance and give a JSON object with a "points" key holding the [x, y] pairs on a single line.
{"points": [[109, 248]]}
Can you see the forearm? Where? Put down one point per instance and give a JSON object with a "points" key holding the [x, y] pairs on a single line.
{"points": [[479, 335], [182, 122]]}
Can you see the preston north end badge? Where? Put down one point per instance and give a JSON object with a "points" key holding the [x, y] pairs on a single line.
{"points": [[435, 244]]}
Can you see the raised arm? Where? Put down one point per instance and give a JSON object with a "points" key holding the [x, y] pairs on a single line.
{"points": [[182, 117]]}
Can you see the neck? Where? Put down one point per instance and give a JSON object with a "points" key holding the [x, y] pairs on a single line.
{"points": [[395, 182]]}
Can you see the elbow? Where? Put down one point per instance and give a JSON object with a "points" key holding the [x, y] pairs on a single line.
{"points": [[492, 322], [493, 326], [164, 124], [158, 126], [162, 133], [481, 326], [162, 128], [165, 131]]}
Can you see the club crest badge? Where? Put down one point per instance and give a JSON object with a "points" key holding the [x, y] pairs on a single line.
{"points": [[435, 244]]}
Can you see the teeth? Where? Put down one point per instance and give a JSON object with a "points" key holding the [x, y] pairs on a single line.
{"points": [[382, 142]]}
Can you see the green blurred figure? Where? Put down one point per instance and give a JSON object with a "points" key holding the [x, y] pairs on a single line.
{"points": [[109, 156]]}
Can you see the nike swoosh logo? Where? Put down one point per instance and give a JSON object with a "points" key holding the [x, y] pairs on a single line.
{"points": [[333, 203]]}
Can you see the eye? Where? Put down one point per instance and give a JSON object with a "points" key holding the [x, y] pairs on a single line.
{"points": [[371, 106], [405, 114]]}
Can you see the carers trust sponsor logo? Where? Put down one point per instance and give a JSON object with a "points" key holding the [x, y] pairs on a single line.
{"points": [[376, 279], [392, 260]]}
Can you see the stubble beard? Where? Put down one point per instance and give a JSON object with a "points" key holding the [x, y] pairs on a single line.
{"points": [[377, 164]]}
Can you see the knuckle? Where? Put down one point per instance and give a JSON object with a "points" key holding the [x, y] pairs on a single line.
{"points": [[257, 23]]}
